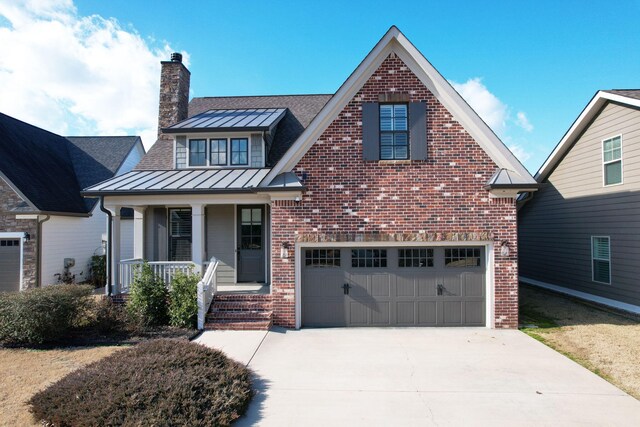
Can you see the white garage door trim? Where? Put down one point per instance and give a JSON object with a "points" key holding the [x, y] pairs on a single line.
{"points": [[489, 254], [20, 237]]}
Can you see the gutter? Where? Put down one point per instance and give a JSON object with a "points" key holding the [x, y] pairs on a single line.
{"points": [[39, 251], [109, 245]]}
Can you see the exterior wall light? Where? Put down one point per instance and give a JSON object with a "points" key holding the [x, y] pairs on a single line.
{"points": [[284, 250], [504, 248], [27, 237]]}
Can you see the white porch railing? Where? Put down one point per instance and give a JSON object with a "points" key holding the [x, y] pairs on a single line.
{"points": [[207, 288], [163, 269]]}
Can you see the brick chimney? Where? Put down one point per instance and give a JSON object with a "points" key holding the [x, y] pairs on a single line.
{"points": [[174, 92]]}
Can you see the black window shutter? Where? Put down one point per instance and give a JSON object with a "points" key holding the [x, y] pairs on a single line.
{"points": [[370, 131], [418, 130]]}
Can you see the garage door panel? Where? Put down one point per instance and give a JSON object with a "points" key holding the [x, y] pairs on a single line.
{"points": [[324, 284], [380, 285], [427, 313], [406, 313], [405, 287], [324, 313], [474, 285], [9, 265], [359, 285], [474, 312], [452, 312], [381, 314], [358, 313]]}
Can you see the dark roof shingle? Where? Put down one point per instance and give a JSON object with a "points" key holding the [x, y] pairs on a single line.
{"points": [[629, 93], [51, 170], [301, 110]]}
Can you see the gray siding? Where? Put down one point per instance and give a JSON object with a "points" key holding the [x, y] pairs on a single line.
{"points": [[181, 152], [221, 240], [256, 150], [556, 226]]}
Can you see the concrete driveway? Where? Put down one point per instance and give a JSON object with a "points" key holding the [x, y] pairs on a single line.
{"points": [[418, 376]]}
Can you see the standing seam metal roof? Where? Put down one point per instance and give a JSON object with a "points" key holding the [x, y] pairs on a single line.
{"points": [[236, 119]]}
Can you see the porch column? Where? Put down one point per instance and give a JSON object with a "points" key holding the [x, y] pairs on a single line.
{"points": [[115, 250], [138, 231], [197, 235]]}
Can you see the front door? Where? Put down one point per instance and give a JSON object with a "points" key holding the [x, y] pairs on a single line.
{"points": [[251, 232]]}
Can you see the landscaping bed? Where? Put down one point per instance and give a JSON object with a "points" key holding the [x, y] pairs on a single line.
{"points": [[604, 341]]}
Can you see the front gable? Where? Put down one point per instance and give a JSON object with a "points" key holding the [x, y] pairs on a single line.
{"points": [[396, 44]]}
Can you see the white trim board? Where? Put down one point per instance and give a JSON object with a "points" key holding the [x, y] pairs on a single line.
{"points": [[583, 295], [395, 41], [489, 272]]}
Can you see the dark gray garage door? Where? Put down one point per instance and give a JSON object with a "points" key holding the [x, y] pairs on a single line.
{"points": [[393, 286], [9, 265]]}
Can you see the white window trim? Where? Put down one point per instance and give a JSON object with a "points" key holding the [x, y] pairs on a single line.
{"points": [[228, 136], [593, 258], [604, 176]]}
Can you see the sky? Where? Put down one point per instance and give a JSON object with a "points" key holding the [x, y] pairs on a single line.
{"points": [[92, 67]]}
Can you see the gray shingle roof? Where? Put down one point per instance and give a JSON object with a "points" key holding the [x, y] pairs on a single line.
{"points": [[629, 93], [301, 109], [51, 170]]}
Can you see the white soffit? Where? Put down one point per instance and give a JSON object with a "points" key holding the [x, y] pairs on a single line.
{"points": [[395, 41]]}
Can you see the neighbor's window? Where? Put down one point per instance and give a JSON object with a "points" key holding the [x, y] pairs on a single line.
{"points": [[322, 257], [462, 257], [362, 258], [394, 132], [420, 257], [197, 152], [218, 152], [601, 259], [612, 159], [239, 151]]}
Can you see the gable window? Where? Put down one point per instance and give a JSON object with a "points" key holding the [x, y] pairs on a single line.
{"points": [[239, 151], [197, 152], [612, 160], [218, 152], [601, 259], [394, 132]]}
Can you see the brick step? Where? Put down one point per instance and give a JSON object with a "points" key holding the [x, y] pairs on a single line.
{"points": [[240, 306], [255, 325], [242, 297], [239, 315]]}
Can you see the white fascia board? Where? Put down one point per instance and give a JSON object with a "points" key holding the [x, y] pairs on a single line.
{"points": [[395, 41], [578, 126]]}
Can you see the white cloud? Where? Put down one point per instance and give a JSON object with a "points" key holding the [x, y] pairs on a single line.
{"points": [[523, 121], [493, 111], [496, 114], [81, 75]]}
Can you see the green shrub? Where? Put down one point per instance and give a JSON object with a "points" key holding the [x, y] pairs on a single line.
{"points": [[183, 300], [157, 383], [44, 314], [108, 318], [148, 297], [98, 269]]}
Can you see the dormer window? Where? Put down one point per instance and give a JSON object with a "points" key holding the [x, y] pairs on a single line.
{"points": [[218, 152], [197, 152], [239, 151]]}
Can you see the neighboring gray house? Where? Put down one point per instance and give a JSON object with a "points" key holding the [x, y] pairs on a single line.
{"points": [[45, 224], [580, 233]]}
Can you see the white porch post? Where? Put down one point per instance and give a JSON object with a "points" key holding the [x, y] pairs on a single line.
{"points": [[138, 231], [197, 235], [115, 249]]}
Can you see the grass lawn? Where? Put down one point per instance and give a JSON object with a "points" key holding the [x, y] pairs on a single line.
{"points": [[24, 372], [605, 342]]}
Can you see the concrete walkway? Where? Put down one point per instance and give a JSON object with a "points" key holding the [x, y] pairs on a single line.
{"points": [[418, 376]]}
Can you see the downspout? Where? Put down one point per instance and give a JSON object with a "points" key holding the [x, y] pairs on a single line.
{"points": [[39, 251], [109, 245]]}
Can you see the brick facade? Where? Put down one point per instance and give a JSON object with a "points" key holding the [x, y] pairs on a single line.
{"points": [[8, 223], [438, 199]]}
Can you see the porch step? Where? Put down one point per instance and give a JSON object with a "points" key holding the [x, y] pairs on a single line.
{"points": [[230, 311]]}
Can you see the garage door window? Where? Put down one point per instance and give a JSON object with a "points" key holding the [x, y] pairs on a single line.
{"points": [[368, 258], [462, 257], [415, 257], [5, 242], [322, 258]]}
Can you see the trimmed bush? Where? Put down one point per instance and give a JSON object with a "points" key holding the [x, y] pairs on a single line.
{"points": [[98, 270], [148, 297], [44, 314], [183, 300], [157, 383]]}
